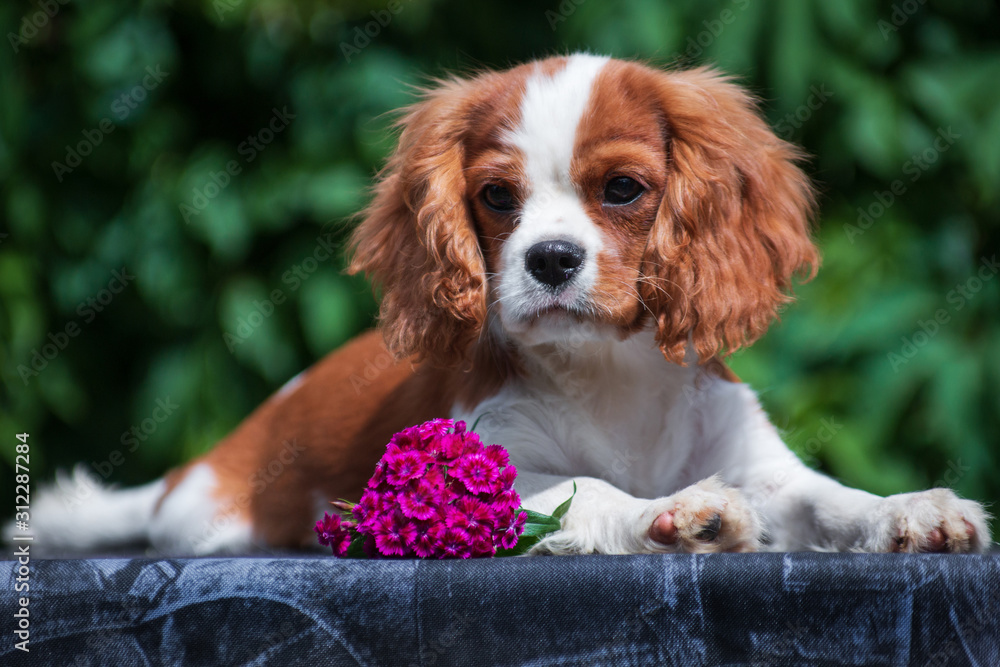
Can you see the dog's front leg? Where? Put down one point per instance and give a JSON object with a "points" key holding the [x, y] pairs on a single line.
{"points": [[803, 509], [705, 517]]}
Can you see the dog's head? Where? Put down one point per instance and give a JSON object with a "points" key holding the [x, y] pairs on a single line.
{"points": [[585, 194]]}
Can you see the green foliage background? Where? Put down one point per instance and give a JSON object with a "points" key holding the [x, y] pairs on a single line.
{"points": [[863, 86]]}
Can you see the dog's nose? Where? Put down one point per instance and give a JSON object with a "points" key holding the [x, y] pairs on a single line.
{"points": [[553, 263]]}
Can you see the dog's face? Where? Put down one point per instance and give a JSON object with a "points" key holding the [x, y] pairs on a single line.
{"points": [[564, 199], [581, 195]]}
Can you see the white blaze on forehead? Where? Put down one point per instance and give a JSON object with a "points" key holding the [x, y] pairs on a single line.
{"points": [[550, 113], [552, 208]]}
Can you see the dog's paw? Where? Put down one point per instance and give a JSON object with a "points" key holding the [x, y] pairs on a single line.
{"points": [[705, 518], [935, 521]]}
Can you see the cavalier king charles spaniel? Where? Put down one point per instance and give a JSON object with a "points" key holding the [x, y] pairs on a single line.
{"points": [[566, 250]]}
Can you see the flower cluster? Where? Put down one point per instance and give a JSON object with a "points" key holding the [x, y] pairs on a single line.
{"points": [[436, 493]]}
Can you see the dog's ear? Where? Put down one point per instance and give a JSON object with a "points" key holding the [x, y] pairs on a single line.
{"points": [[733, 227], [417, 241]]}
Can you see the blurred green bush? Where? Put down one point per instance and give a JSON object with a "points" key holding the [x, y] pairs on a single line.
{"points": [[206, 148]]}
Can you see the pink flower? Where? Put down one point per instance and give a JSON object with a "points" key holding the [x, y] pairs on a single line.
{"points": [[393, 534], [378, 477], [437, 427], [506, 478], [498, 455], [333, 532], [451, 447], [372, 505], [437, 492], [404, 466], [326, 528], [513, 531], [454, 543], [421, 501], [425, 538], [473, 517], [366, 507], [477, 472], [506, 501], [408, 438]]}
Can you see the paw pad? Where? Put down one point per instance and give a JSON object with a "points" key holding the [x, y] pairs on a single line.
{"points": [[710, 529], [708, 517], [934, 521]]}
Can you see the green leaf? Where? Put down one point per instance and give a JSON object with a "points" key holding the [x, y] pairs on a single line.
{"points": [[537, 526], [524, 544], [538, 519], [357, 549], [476, 423], [560, 511], [538, 529]]}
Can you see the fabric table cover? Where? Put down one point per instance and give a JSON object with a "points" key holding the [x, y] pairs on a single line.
{"points": [[729, 609]]}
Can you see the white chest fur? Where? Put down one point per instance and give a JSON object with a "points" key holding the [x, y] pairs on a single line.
{"points": [[615, 410]]}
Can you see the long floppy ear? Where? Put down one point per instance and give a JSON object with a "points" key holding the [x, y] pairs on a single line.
{"points": [[417, 240], [733, 227]]}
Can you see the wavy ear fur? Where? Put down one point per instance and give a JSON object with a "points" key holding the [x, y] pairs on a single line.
{"points": [[417, 240], [733, 227]]}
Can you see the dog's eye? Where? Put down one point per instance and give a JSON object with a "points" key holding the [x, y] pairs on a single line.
{"points": [[622, 190], [498, 198]]}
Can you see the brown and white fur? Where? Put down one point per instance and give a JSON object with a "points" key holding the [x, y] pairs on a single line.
{"points": [[595, 360]]}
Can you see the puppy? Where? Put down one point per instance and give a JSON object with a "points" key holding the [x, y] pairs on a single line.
{"points": [[566, 250]]}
